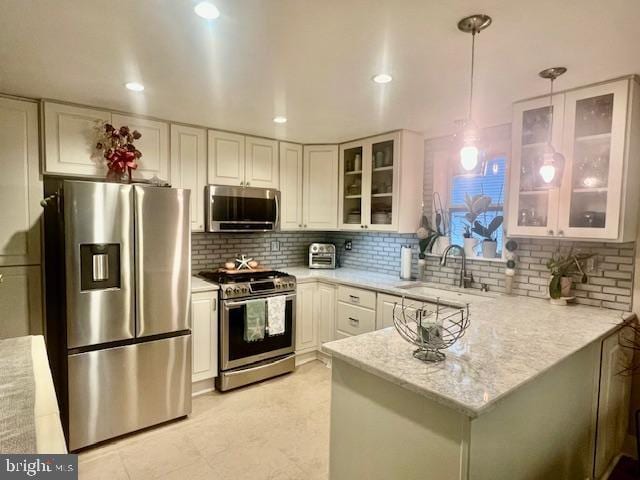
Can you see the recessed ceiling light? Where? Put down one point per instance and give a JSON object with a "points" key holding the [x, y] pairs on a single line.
{"points": [[134, 86], [382, 78], [207, 10], [280, 119]]}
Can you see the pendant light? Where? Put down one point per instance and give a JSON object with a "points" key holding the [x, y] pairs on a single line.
{"points": [[469, 152], [552, 161]]}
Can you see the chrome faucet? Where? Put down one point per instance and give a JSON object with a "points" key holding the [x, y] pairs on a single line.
{"points": [[465, 279]]}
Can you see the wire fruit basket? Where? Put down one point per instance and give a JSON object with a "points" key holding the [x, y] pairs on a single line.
{"points": [[432, 327]]}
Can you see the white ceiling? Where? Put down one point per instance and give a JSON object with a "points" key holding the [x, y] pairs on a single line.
{"points": [[310, 60]]}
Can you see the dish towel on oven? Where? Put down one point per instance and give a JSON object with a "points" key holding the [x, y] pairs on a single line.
{"points": [[254, 320], [275, 311]]}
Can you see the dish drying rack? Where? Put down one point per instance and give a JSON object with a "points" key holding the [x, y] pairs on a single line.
{"points": [[432, 327]]}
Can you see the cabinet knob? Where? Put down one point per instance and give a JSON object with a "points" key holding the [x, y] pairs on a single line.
{"points": [[241, 183], [300, 225], [560, 232], [366, 226], [361, 226], [549, 232], [305, 225], [247, 184]]}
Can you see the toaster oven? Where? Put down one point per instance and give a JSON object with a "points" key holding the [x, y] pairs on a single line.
{"points": [[322, 255]]}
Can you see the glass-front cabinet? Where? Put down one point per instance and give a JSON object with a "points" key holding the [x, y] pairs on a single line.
{"points": [[594, 199], [536, 212], [595, 131], [369, 184]]}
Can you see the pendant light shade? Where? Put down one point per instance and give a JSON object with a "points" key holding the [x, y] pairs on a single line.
{"points": [[552, 161], [469, 152]]}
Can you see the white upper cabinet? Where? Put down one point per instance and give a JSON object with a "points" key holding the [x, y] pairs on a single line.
{"points": [[537, 205], [244, 161], [70, 138], [596, 129], [189, 168], [261, 163], [154, 145], [226, 159], [320, 187], [290, 186], [381, 183], [20, 185]]}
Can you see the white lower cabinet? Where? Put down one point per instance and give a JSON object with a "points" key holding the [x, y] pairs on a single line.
{"points": [[306, 324], [613, 397], [326, 312], [356, 312], [386, 305], [20, 301], [204, 335]]}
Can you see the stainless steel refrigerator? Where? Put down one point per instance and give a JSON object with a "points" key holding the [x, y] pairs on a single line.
{"points": [[127, 280]]}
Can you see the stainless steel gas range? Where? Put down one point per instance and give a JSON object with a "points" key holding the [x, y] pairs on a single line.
{"points": [[244, 359]]}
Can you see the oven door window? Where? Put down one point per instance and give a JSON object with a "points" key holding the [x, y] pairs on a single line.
{"points": [[240, 349]]}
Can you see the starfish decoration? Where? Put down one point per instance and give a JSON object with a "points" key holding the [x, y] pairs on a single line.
{"points": [[243, 262]]}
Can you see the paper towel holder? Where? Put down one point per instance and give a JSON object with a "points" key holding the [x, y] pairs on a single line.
{"points": [[406, 255]]}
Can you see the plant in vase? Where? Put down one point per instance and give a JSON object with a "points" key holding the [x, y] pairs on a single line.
{"points": [[562, 268], [119, 151], [476, 206]]}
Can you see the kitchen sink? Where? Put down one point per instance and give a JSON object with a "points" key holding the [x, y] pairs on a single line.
{"points": [[448, 293]]}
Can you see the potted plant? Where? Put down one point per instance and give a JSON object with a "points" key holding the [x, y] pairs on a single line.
{"points": [[562, 268], [476, 206]]}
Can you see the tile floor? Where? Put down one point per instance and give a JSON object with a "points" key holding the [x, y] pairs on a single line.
{"points": [[275, 430]]}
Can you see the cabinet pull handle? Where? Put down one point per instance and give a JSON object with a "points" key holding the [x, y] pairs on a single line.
{"points": [[1, 277], [354, 321], [354, 298]]}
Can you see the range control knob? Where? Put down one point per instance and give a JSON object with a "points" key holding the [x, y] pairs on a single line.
{"points": [[236, 291], [228, 291]]}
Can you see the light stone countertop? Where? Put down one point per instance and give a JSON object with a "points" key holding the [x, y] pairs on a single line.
{"points": [[511, 341], [201, 285]]}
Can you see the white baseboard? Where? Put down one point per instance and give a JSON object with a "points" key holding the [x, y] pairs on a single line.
{"points": [[201, 387]]}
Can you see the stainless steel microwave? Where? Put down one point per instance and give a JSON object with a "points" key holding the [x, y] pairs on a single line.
{"points": [[241, 209]]}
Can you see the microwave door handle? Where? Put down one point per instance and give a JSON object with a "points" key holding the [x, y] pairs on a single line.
{"points": [[277, 213]]}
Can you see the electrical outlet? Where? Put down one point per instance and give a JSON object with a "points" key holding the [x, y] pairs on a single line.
{"points": [[275, 246], [348, 245]]}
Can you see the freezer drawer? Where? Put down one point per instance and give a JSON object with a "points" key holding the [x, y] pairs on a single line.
{"points": [[122, 389], [163, 259]]}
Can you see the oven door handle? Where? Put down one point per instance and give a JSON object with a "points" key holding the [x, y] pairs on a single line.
{"points": [[232, 304]]}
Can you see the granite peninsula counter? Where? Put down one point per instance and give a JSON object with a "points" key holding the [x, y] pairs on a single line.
{"points": [[520, 396]]}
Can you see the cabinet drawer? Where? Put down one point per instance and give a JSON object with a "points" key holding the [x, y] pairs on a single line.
{"points": [[354, 320], [357, 296]]}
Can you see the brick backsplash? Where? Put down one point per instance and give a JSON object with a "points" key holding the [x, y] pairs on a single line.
{"points": [[211, 250], [610, 283]]}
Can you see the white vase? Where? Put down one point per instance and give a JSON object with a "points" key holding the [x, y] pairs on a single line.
{"points": [[489, 248], [469, 247], [440, 245]]}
